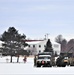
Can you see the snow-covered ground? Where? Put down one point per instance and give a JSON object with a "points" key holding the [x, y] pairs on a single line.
{"points": [[21, 68]]}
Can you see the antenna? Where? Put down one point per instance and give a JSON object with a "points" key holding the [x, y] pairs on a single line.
{"points": [[47, 35]]}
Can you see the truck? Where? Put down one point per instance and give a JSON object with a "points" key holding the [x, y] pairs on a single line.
{"points": [[44, 59]]}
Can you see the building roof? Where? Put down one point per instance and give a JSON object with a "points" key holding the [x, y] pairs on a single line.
{"points": [[34, 42], [38, 41]]}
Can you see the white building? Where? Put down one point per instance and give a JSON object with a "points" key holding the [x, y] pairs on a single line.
{"points": [[0, 48], [36, 46], [1, 44]]}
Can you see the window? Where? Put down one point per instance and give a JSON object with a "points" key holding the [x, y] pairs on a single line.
{"points": [[33, 46], [39, 51], [39, 46], [29, 45]]}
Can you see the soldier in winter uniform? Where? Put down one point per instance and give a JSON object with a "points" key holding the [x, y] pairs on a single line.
{"points": [[25, 59], [35, 60]]}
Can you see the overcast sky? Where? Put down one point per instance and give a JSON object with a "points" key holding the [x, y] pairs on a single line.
{"points": [[35, 18]]}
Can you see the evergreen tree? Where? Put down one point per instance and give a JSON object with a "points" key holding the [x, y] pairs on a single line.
{"points": [[13, 42], [48, 46]]}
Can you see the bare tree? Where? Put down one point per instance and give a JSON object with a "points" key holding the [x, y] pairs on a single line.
{"points": [[63, 45], [70, 45], [59, 39], [63, 42]]}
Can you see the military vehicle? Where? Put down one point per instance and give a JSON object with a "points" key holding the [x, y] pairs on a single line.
{"points": [[44, 59], [64, 60], [71, 61]]}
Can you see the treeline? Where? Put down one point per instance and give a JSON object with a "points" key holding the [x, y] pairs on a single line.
{"points": [[65, 45]]}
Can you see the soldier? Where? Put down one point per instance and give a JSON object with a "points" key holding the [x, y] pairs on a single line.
{"points": [[25, 59], [35, 60]]}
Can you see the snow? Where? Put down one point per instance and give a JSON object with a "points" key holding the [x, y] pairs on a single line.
{"points": [[27, 68]]}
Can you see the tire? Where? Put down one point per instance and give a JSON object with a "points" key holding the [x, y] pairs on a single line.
{"points": [[58, 65], [63, 65], [44, 65], [38, 66], [71, 64]]}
